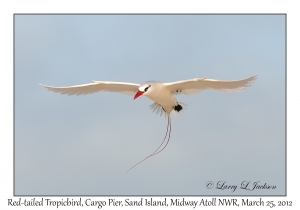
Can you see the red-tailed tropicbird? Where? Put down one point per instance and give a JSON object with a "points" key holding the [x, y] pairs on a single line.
{"points": [[161, 93]]}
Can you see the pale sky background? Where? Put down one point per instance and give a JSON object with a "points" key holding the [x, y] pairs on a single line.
{"points": [[83, 145]]}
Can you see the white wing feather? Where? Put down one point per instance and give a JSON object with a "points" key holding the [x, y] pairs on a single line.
{"points": [[96, 86], [196, 85]]}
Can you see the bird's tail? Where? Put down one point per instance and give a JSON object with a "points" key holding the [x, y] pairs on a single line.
{"points": [[158, 109]]}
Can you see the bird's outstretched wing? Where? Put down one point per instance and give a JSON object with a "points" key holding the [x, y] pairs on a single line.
{"points": [[97, 86], [198, 84]]}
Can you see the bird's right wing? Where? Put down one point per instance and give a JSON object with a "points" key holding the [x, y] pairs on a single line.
{"points": [[198, 84], [96, 86]]}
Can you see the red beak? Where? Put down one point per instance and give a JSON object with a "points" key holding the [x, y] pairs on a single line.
{"points": [[139, 93]]}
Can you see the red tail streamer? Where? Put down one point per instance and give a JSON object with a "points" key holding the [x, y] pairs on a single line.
{"points": [[155, 152]]}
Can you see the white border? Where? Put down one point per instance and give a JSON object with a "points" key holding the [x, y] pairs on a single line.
{"points": [[8, 8]]}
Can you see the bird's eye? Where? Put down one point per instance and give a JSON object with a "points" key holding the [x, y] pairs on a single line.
{"points": [[147, 88]]}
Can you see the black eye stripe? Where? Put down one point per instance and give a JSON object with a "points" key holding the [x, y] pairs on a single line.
{"points": [[147, 88]]}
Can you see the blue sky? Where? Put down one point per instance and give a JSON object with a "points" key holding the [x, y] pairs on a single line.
{"points": [[83, 145]]}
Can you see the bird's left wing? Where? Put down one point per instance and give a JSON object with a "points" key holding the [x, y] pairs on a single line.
{"points": [[198, 84], [97, 86]]}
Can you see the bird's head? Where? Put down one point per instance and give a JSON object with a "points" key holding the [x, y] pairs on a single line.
{"points": [[144, 89]]}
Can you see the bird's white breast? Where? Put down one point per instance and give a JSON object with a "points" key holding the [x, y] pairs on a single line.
{"points": [[163, 96]]}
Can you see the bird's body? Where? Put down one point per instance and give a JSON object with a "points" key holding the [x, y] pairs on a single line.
{"points": [[161, 93]]}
